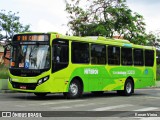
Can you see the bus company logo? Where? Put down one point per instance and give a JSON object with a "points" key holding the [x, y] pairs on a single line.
{"points": [[129, 72], [21, 114], [146, 71], [92, 71], [119, 72]]}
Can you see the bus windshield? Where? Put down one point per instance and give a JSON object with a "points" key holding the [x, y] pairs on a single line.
{"points": [[31, 57]]}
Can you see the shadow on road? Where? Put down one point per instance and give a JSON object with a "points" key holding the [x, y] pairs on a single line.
{"points": [[31, 96]]}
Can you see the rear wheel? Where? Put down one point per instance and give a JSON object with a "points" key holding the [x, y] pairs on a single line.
{"points": [[128, 88], [75, 90]]}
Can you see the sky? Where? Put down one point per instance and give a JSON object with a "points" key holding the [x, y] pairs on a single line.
{"points": [[50, 15]]}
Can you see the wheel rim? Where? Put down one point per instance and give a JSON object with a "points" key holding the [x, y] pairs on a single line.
{"points": [[74, 89], [128, 87]]}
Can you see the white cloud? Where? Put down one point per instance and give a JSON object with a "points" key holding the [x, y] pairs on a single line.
{"points": [[50, 15], [149, 10], [45, 26]]}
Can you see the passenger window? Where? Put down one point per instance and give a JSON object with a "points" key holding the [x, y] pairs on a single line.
{"points": [[149, 57], [98, 54], [126, 56], [113, 55], [138, 57], [80, 52]]}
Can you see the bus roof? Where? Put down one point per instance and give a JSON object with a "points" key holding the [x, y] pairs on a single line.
{"points": [[95, 39], [101, 39]]}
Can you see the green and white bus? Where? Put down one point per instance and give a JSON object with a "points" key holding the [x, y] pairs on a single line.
{"points": [[44, 63]]}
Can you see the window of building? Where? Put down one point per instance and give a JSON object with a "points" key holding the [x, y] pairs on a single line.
{"points": [[113, 55], [126, 56], [80, 52], [98, 54]]}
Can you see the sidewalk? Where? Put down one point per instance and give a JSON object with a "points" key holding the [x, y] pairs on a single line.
{"points": [[3, 84], [158, 84]]}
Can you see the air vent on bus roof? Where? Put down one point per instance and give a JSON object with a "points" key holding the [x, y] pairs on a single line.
{"points": [[92, 37], [121, 40], [53, 32], [108, 39], [113, 39]]}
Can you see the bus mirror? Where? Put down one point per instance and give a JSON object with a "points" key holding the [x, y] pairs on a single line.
{"points": [[6, 43], [5, 52]]}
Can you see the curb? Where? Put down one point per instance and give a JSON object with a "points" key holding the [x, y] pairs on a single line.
{"points": [[7, 91]]}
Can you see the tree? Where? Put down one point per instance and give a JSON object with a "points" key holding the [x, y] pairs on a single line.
{"points": [[10, 24], [107, 18], [153, 39]]}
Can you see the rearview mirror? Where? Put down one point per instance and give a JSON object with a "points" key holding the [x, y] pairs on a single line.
{"points": [[5, 52]]}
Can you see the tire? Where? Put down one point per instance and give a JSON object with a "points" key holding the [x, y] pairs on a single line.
{"points": [[75, 90], [41, 95], [128, 88]]}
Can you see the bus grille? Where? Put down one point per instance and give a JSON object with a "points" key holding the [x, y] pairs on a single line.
{"points": [[27, 86]]}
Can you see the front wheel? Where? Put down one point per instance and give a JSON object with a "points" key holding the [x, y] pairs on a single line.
{"points": [[75, 90]]}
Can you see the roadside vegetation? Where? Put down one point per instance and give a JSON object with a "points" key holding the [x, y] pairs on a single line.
{"points": [[158, 72], [3, 71]]}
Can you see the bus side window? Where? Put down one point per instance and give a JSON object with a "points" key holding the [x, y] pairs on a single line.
{"points": [[80, 53], [138, 57], [149, 57], [98, 54], [126, 56], [113, 55]]}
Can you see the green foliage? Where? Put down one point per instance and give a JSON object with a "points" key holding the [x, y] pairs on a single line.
{"points": [[9, 22], [3, 71], [153, 40], [107, 18], [158, 72]]}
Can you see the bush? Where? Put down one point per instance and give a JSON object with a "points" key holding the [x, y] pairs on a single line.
{"points": [[3, 71], [158, 72]]}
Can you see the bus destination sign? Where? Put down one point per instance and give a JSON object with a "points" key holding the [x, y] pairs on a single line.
{"points": [[31, 37]]}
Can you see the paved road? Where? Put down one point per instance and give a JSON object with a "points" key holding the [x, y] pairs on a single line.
{"points": [[108, 105]]}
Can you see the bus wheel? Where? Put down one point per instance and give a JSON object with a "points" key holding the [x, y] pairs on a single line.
{"points": [[40, 94], [128, 88], [75, 90]]}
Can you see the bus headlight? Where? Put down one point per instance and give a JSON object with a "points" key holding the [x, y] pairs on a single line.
{"points": [[10, 79], [42, 80]]}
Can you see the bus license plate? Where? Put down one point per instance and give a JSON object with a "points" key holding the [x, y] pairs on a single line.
{"points": [[23, 87]]}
